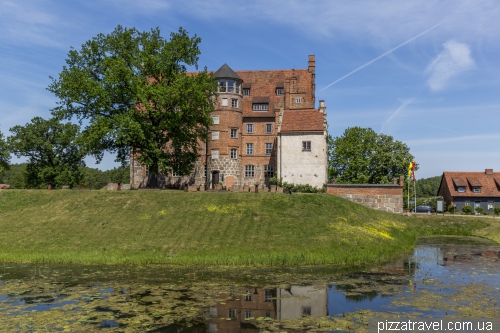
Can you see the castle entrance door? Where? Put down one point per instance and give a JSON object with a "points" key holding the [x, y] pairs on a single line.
{"points": [[215, 178]]}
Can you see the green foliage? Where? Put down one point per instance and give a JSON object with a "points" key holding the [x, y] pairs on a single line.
{"points": [[428, 187], [452, 209], [134, 90], [467, 210], [496, 210], [479, 210], [361, 156], [97, 179], [15, 176], [53, 154], [4, 155]]}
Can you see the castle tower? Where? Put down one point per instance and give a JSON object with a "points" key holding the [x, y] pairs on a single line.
{"points": [[224, 145]]}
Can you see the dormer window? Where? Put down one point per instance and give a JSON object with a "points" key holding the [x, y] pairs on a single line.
{"points": [[476, 189], [461, 189], [279, 91], [260, 106], [246, 91]]}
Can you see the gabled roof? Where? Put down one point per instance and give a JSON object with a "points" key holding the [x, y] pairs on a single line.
{"points": [[226, 72], [295, 121], [489, 183]]}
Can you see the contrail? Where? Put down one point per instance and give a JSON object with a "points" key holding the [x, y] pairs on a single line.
{"points": [[381, 56]]}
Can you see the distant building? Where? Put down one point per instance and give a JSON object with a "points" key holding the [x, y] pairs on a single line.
{"points": [[264, 124], [475, 189]]}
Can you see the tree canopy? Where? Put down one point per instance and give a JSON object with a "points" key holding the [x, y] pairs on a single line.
{"points": [[362, 156], [135, 92], [4, 155], [53, 154]]}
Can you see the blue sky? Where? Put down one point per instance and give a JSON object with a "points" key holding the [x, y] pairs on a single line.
{"points": [[425, 72]]}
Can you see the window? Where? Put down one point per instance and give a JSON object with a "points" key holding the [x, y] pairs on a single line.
{"points": [[306, 311], [267, 295], [260, 106], [222, 85], [234, 103], [212, 328], [213, 311], [249, 128], [268, 171], [476, 189], [268, 314], [461, 189], [490, 205], [477, 204], [306, 145], [234, 133], [224, 102], [215, 120], [231, 313], [269, 128], [298, 100], [279, 91], [467, 203], [205, 171], [215, 135], [249, 148], [215, 154], [234, 154], [248, 296], [175, 174], [249, 171], [246, 91], [269, 148], [248, 314]]}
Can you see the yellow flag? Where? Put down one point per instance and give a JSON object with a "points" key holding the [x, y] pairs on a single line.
{"points": [[409, 169]]}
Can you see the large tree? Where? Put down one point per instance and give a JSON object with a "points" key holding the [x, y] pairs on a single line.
{"points": [[362, 156], [53, 155], [135, 92], [4, 155]]}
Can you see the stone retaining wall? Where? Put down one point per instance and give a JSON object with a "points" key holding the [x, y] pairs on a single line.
{"points": [[385, 197]]}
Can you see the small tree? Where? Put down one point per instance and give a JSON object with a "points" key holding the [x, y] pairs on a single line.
{"points": [[51, 149]]}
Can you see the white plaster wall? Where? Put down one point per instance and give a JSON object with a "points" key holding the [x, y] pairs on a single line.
{"points": [[290, 302], [303, 167]]}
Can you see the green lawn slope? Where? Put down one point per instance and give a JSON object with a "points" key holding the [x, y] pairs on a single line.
{"points": [[207, 228]]}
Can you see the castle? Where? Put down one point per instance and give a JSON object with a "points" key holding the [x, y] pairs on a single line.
{"points": [[264, 125]]}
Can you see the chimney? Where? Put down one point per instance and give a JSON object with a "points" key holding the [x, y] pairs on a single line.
{"points": [[394, 181], [312, 64], [489, 172]]}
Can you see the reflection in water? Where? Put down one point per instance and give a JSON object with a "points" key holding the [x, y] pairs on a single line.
{"points": [[194, 301]]}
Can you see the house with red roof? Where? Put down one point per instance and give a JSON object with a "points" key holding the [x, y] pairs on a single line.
{"points": [[475, 189], [264, 125]]}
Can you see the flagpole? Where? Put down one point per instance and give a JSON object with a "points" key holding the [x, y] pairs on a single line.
{"points": [[415, 189]]}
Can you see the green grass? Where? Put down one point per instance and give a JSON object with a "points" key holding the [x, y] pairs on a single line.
{"points": [[207, 228]]}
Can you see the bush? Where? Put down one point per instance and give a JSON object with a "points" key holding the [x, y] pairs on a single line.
{"points": [[467, 210], [479, 210], [452, 209], [496, 210]]}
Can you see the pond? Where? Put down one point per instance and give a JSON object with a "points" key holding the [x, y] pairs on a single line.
{"points": [[444, 276]]}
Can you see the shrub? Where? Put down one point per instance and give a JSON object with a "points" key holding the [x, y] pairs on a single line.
{"points": [[467, 210], [479, 210], [452, 209], [496, 210]]}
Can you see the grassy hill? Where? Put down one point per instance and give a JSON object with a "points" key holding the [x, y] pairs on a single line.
{"points": [[206, 228]]}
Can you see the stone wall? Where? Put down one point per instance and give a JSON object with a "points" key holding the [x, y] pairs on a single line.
{"points": [[385, 197]]}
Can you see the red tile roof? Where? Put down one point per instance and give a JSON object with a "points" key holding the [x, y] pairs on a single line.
{"points": [[490, 184], [302, 121]]}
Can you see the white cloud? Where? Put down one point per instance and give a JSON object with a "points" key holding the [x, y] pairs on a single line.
{"points": [[453, 60]]}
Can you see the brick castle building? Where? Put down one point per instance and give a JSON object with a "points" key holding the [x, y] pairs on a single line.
{"points": [[264, 125]]}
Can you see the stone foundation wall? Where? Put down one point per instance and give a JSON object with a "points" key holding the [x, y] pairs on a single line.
{"points": [[227, 167], [388, 198]]}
